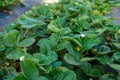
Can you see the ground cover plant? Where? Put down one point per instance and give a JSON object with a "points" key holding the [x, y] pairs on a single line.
{"points": [[8, 4], [69, 40]]}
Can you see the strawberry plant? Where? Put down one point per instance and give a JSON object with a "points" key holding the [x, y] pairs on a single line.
{"points": [[69, 40]]}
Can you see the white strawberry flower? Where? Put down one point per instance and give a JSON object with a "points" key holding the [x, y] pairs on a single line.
{"points": [[22, 58], [82, 35], [46, 4]]}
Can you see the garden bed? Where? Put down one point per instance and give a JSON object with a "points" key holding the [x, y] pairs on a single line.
{"points": [[69, 40]]}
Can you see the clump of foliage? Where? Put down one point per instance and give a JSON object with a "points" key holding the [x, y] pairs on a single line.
{"points": [[8, 4], [69, 40]]}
